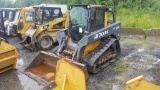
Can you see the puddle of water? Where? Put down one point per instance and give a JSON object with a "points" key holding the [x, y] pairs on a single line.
{"points": [[29, 84], [140, 50], [20, 64]]}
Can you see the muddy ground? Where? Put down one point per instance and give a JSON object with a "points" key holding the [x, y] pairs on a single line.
{"points": [[138, 57]]}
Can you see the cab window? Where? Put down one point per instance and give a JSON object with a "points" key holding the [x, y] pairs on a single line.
{"points": [[29, 16], [97, 20]]}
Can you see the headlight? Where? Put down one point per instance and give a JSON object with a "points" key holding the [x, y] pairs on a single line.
{"points": [[70, 7], [110, 9], [88, 7], [80, 30]]}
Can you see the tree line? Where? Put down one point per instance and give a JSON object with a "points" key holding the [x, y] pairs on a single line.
{"points": [[131, 13], [139, 4]]}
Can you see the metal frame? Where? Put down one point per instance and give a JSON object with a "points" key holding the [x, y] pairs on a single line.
{"points": [[2, 26]]}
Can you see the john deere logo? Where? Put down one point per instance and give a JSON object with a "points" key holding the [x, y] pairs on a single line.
{"points": [[100, 34]]}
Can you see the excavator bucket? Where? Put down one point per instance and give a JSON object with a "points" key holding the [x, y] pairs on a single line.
{"points": [[8, 57], [57, 74]]}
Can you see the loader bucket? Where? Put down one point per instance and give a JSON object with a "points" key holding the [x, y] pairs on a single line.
{"points": [[139, 83], [58, 74], [8, 57]]}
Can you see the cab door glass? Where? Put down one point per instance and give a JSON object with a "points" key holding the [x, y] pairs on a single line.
{"points": [[29, 16], [20, 24]]}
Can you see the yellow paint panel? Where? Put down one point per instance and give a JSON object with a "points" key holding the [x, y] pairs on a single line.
{"points": [[139, 83], [8, 57], [25, 24], [69, 77], [90, 47], [105, 21]]}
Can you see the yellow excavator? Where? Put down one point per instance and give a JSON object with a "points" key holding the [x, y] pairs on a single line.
{"points": [[91, 41], [42, 34], [139, 83], [8, 53]]}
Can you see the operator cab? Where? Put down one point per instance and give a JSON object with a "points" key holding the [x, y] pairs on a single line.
{"points": [[8, 15], [45, 14], [2, 28], [85, 19]]}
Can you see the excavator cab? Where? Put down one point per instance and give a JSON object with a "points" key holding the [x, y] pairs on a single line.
{"points": [[8, 53]]}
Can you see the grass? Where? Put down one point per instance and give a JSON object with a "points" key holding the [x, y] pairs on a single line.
{"points": [[119, 67], [144, 19]]}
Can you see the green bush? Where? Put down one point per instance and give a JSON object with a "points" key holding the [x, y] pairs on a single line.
{"points": [[141, 18]]}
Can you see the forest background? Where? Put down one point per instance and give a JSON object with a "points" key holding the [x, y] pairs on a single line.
{"points": [[132, 13]]}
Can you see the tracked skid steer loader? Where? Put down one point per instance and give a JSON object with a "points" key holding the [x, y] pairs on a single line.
{"points": [[91, 42], [91, 39], [48, 20], [8, 53]]}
